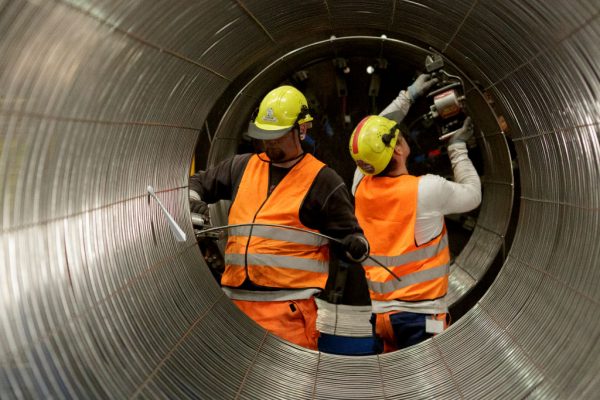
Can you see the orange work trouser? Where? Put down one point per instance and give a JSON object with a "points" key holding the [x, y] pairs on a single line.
{"points": [[292, 320], [396, 334]]}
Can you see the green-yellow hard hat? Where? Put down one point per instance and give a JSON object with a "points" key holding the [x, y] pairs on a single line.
{"points": [[279, 110]]}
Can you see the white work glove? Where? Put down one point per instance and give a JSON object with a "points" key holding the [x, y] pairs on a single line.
{"points": [[463, 133], [420, 86]]}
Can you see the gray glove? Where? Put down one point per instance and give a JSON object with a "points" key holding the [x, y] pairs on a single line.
{"points": [[463, 133], [199, 207], [421, 85]]}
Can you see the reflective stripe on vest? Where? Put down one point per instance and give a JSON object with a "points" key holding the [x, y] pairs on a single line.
{"points": [[273, 260], [415, 255], [276, 257], [275, 295], [285, 235], [410, 279]]}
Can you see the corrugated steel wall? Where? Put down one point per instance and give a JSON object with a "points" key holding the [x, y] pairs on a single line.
{"points": [[101, 98]]}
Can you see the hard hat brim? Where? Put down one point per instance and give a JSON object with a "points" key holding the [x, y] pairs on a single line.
{"points": [[264, 132]]}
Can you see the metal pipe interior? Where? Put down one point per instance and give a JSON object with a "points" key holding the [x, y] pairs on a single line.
{"points": [[99, 99]]}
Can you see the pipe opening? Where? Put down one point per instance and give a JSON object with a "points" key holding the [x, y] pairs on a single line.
{"points": [[333, 76]]}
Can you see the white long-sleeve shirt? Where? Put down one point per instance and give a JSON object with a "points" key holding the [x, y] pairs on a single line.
{"points": [[437, 196]]}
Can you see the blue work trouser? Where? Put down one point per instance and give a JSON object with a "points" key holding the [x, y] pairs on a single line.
{"points": [[407, 329]]}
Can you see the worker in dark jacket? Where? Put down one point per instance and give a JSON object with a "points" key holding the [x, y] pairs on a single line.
{"points": [[273, 274]]}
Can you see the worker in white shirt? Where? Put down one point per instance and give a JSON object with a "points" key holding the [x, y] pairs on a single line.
{"points": [[403, 220]]}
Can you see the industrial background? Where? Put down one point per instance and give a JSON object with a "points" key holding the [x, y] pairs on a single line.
{"points": [[100, 99]]}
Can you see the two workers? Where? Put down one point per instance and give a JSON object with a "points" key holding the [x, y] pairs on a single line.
{"points": [[273, 274]]}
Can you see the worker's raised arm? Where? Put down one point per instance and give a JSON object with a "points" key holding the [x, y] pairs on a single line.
{"points": [[464, 193], [399, 107], [466, 180]]}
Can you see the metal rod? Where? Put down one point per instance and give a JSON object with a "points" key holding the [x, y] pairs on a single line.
{"points": [[175, 228]]}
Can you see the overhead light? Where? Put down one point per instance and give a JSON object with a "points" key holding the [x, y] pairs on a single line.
{"points": [[370, 69]]}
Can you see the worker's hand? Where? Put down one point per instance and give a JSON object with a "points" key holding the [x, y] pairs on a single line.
{"points": [[199, 207], [463, 133], [421, 85], [356, 246]]}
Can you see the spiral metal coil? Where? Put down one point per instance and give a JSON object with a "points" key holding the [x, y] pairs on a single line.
{"points": [[101, 99]]}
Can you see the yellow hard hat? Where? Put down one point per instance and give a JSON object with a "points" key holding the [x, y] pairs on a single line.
{"points": [[372, 143], [279, 110]]}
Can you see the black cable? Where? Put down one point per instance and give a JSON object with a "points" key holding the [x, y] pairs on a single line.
{"points": [[295, 229]]}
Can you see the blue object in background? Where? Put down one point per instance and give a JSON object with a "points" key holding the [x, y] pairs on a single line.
{"points": [[420, 158], [308, 144], [346, 345], [328, 128], [309, 140]]}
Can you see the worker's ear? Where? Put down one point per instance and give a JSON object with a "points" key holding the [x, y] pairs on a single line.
{"points": [[398, 146], [302, 129]]}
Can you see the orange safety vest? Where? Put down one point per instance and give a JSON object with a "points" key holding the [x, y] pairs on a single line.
{"points": [[386, 209], [269, 256]]}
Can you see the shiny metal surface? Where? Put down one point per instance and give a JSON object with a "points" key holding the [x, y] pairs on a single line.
{"points": [[99, 99]]}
